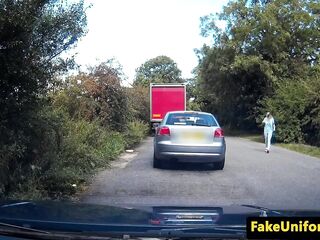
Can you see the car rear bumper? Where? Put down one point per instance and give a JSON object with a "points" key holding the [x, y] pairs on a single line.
{"points": [[192, 157], [197, 154]]}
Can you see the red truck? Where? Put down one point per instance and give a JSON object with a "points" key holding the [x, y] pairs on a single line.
{"points": [[165, 98]]}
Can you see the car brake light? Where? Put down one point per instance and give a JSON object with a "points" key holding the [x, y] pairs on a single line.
{"points": [[164, 131], [218, 133], [155, 221]]}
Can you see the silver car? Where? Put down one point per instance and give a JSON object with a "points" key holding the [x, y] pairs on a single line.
{"points": [[188, 136]]}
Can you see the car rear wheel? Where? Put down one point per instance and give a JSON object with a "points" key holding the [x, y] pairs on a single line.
{"points": [[156, 162], [220, 165]]}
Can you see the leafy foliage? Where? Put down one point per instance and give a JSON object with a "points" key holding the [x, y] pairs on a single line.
{"points": [[86, 146], [65, 153], [139, 103], [137, 130], [259, 63], [33, 34], [296, 105], [193, 95], [161, 69], [231, 86], [54, 134], [95, 95]]}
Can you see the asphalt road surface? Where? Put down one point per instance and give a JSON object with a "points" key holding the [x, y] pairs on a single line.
{"points": [[282, 179]]}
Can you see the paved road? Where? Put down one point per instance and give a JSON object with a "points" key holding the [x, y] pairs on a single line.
{"points": [[281, 179]]}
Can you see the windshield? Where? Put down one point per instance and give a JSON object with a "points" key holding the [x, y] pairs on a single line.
{"points": [[190, 119], [174, 109]]}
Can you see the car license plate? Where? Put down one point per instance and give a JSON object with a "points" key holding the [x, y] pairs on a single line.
{"points": [[193, 136], [189, 217]]}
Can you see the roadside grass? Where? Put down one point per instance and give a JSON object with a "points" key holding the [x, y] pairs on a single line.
{"points": [[297, 147], [301, 148], [254, 138]]}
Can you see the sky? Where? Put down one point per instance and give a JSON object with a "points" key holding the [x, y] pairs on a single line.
{"points": [[134, 31]]}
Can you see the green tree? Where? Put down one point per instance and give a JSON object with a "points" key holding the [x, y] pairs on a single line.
{"points": [[96, 95], [33, 34], [264, 44], [296, 107], [161, 69], [139, 103], [111, 96], [193, 95]]}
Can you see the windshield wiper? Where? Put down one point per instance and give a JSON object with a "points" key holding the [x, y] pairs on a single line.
{"points": [[264, 212], [16, 204], [21, 228]]}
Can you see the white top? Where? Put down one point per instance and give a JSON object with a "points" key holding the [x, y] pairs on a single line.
{"points": [[269, 125]]}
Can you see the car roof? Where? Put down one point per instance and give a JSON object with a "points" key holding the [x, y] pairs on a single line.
{"points": [[196, 112]]}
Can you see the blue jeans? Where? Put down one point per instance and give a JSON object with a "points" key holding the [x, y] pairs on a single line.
{"points": [[267, 139]]}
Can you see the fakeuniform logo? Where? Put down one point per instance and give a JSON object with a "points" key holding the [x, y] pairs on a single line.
{"points": [[283, 227]]}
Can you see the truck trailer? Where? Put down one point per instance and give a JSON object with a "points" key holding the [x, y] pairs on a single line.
{"points": [[165, 98]]}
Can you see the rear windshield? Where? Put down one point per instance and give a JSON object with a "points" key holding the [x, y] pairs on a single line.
{"points": [[194, 119]]}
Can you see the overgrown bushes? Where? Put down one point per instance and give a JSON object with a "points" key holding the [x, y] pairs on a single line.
{"points": [[79, 128], [65, 153], [296, 107], [136, 131], [86, 146], [55, 132]]}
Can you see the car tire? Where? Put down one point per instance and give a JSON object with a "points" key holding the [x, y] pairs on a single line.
{"points": [[220, 165], [156, 162]]}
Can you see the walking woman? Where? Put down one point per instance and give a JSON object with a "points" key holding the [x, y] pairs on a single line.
{"points": [[269, 128]]}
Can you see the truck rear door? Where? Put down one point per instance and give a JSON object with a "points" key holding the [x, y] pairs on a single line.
{"points": [[165, 98]]}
